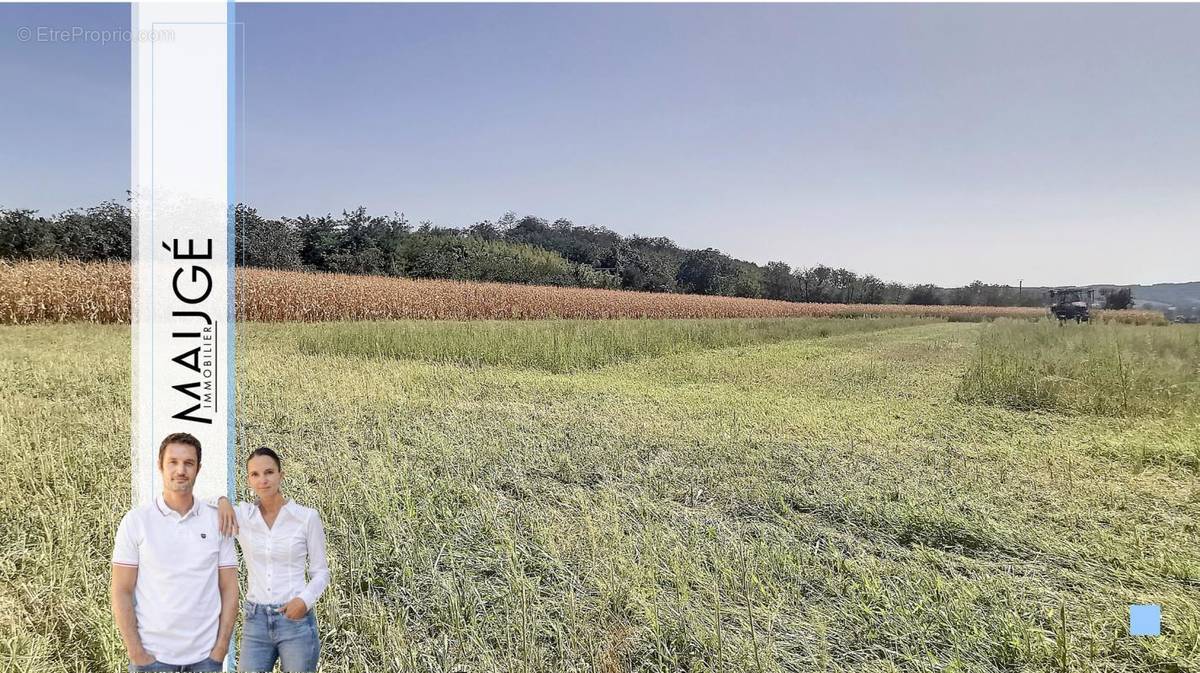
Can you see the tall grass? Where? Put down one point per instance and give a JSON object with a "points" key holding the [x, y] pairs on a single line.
{"points": [[1103, 369], [567, 345]]}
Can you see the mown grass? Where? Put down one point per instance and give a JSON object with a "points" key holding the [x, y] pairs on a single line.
{"points": [[1103, 369], [805, 505], [564, 346]]}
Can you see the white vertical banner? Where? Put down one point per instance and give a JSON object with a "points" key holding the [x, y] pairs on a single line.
{"points": [[182, 272]]}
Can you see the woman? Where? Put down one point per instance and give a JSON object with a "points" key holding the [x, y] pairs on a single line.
{"points": [[277, 537]]}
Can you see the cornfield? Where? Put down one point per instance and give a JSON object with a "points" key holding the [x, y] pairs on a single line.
{"points": [[38, 292], [35, 292]]}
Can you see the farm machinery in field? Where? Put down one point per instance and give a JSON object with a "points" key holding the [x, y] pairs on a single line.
{"points": [[1071, 303]]}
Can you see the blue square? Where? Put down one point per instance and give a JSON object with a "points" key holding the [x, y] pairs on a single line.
{"points": [[1145, 620]]}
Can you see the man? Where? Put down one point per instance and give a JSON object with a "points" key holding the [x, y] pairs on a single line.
{"points": [[174, 577]]}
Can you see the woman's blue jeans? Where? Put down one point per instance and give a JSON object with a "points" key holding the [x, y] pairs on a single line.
{"points": [[267, 634]]}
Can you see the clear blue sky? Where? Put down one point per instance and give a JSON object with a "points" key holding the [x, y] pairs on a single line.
{"points": [[1055, 143]]}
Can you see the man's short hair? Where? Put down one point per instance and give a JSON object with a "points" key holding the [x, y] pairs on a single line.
{"points": [[178, 438]]}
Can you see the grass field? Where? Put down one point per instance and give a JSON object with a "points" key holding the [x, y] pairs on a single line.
{"points": [[1107, 369], [758, 501], [564, 346]]}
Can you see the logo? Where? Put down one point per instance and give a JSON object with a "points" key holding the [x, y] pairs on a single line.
{"points": [[199, 354], [203, 535]]}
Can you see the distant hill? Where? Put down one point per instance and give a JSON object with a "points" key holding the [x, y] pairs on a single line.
{"points": [[1162, 294], [1177, 301], [1174, 294]]}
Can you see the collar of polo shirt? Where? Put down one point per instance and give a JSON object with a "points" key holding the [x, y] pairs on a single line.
{"points": [[165, 509]]}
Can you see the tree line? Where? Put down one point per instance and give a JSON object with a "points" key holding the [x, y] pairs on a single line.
{"points": [[510, 249]]}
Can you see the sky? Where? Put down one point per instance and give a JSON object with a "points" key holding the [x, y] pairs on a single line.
{"points": [[1044, 144]]}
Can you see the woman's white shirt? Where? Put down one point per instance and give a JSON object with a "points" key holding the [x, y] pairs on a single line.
{"points": [[276, 555]]}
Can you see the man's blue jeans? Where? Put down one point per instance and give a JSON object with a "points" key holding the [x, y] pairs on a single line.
{"points": [[202, 665], [268, 634]]}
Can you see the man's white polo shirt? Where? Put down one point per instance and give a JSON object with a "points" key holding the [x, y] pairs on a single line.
{"points": [[177, 600]]}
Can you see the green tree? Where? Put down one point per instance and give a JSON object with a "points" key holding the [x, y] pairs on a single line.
{"points": [[926, 295], [25, 235], [636, 268], [779, 283], [264, 243], [319, 241], [815, 283], [486, 230], [871, 290], [707, 271], [1118, 299], [101, 232]]}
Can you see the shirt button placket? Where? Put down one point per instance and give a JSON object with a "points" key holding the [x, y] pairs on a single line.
{"points": [[270, 561]]}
